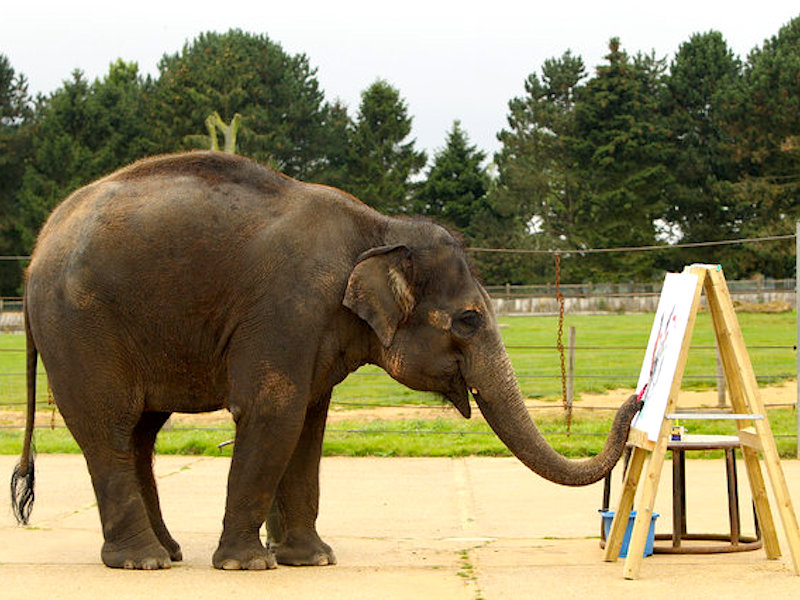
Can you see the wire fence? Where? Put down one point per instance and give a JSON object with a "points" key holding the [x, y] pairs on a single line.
{"points": [[371, 391], [376, 390]]}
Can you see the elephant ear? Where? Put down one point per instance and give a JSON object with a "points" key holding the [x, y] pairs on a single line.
{"points": [[378, 289]]}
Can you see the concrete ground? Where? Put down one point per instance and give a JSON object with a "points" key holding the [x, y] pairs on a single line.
{"points": [[402, 528]]}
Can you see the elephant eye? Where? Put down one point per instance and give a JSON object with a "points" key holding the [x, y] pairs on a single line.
{"points": [[467, 323]]}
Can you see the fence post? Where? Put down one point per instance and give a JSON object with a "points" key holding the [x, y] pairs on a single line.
{"points": [[797, 341]]}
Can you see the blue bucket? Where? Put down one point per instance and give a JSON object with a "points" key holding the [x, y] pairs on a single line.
{"points": [[608, 517]]}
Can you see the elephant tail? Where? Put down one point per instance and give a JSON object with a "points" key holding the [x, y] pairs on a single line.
{"points": [[22, 479]]}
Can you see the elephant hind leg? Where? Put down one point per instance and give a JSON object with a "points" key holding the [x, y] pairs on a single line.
{"points": [[130, 541], [144, 438], [110, 452], [102, 400]]}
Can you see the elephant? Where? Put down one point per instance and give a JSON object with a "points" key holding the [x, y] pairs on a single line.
{"points": [[199, 281]]}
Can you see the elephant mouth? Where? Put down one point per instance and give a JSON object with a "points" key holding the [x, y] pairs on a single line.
{"points": [[458, 396]]}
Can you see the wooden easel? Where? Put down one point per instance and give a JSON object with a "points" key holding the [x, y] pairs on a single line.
{"points": [[747, 407]]}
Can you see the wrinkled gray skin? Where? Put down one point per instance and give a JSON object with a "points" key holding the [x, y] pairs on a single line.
{"points": [[194, 282]]}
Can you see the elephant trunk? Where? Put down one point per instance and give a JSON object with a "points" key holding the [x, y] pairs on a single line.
{"points": [[500, 401]]}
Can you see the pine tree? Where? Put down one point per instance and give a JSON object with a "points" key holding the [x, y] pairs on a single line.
{"points": [[454, 191], [701, 204], [538, 192], [382, 161], [277, 94], [536, 169], [765, 123], [81, 132], [620, 151], [16, 112], [337, 128]]}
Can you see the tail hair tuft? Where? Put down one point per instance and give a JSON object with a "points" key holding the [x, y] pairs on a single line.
{"points": [[22, 491]]}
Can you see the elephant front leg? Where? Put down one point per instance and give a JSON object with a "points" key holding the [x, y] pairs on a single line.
{"points": [[264, 444], [292, 522]]}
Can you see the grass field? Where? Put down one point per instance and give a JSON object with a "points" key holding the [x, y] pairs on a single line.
{"points": [[609, 354], [416, 437]]}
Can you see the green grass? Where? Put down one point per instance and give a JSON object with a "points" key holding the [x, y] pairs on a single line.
{"points": [[448, 437], [58, 441], [12, 372], [418, 437]]}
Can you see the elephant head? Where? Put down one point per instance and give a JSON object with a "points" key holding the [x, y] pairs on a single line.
{"points": [[437, 331]]}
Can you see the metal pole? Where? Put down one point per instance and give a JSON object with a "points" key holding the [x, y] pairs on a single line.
{"points": [[797, 342]]}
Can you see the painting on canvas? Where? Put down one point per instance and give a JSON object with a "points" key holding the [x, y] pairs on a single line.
{"points": [[663, 350]]}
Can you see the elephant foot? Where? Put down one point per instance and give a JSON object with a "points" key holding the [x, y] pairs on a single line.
{"points": [[244, 559], [307, 550], [148, 558], [175, 552], [172, 547]]}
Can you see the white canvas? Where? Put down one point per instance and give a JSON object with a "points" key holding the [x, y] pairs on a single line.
{"points": [[663, 350]]}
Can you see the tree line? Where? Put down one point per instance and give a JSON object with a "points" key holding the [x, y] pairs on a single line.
{"points": [[644, 151]]}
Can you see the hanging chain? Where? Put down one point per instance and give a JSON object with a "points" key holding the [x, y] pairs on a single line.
{"points": [[51, 401], [560, 344]]}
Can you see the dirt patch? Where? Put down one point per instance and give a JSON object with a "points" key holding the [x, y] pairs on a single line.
{"points": [[774, 395], [16, 418], [774, 307]]}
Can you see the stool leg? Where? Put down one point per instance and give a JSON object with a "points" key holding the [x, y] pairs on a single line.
{"points": [[683, 493], [678, 516], [606, 502], [733, 495], [756, 523]]}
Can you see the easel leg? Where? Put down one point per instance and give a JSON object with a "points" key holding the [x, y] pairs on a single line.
{"points": [[782, 500], [758, 490], [620, 523], [644, 512], [745, 398]]}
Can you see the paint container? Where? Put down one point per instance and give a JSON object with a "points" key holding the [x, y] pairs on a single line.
{"points": [[608, 517]]}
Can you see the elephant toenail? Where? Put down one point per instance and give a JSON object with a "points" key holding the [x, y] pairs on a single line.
{"points": [[257, 564], [231, 565]]}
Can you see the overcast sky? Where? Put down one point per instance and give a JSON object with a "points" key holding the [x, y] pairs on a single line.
{"points": [[450, 60]]}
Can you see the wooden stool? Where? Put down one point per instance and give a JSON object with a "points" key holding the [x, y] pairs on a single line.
{"points": [[735, 542]]}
